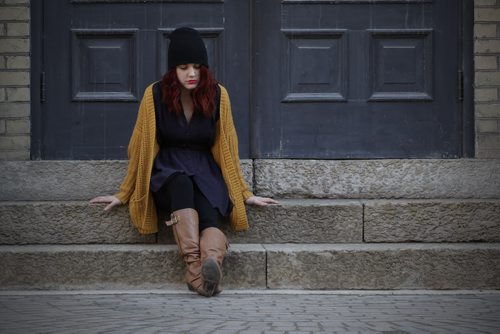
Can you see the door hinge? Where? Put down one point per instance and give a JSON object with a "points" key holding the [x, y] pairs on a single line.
{"points": [[460, 85], [42, 87]]}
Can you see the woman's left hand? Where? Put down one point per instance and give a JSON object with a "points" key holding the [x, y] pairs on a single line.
{"points": [[260, 201]]}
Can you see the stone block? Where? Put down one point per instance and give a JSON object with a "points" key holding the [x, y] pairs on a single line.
{"points": [[18, 126], [3, 96], [484, 153], [487, 126], [14, 142], [117, 267], [247, 171], [389, 266], [15, 45], [378, 179], [490, 110], [78, 222], [67, 180], [14, 78], [18, 29], [486, 14], [304, 221], [18, 94], [488, 141], [432, 221], [14, 14], [485, 30], [66, 223], [485, 62], [18, 62], [245, 267], [486, 46], [15, 155], [486, 94], [2, 127], [89, 267], [480, 3], [487, 78], [60, 180], [14, 110]]}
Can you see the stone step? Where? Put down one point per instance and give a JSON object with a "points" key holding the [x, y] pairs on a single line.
{"points": [[117, 267], [78, 222], [285, 266], [69, 180], [378, 179], [384, 266], [431, 220], [350, 179], [292, 221]]}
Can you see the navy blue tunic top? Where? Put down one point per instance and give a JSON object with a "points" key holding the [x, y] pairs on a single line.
{"points": [[185, 147]]}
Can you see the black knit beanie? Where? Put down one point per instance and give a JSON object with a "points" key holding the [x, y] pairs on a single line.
{"points": [[186, 47]]}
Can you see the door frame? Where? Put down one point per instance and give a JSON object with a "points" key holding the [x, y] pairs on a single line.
{"points": [[467, 83], [36, 81]]}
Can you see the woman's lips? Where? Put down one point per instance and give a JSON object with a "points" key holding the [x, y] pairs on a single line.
{"points": [[192, 82]]}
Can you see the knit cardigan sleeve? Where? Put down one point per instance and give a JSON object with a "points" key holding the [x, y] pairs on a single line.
{"points": [[225, 153], [142, 150], [128, 184]]}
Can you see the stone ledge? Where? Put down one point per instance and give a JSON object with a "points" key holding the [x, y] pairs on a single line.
{"points": [[432, 220], [337, 179], [49, 180], [66, 223], [378, 179], [311, 221], [117, 266], [292, 221], [289, 266], [393, 266]]}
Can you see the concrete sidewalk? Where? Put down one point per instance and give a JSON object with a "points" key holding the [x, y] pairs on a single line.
{"points": [[248, 312]]}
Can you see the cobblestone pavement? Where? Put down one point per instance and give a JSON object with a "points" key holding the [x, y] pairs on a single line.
{"points": [[247, 312]]}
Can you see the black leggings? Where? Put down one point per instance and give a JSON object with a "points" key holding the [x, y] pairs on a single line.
{"points": [[180, 192]]}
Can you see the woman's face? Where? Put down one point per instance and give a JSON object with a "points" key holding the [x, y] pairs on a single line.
{"points": [[188, 75]]}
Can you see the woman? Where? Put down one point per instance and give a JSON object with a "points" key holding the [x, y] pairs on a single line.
{"points": [[183, 160]]}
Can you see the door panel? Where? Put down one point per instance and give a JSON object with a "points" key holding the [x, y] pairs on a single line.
{"points": [[99, 56], [358, 79]]}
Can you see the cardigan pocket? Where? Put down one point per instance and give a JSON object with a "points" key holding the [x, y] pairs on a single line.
{"points": [[137, 208]]}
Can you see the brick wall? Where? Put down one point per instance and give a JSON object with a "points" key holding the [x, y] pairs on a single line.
{"points": [[487, 77], [14, 80]]}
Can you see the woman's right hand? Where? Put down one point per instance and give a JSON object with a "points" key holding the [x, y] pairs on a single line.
{"points": [[112, 200]]}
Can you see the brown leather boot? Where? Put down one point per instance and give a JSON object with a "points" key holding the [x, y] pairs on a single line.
{"points": [[213, 247], [184, 223]]}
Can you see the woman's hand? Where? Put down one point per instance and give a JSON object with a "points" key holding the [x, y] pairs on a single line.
{"points": [[260, 201], [112, 200]]}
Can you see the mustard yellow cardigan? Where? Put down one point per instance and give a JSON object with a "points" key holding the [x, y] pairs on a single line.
{"points": [[143, 148]]}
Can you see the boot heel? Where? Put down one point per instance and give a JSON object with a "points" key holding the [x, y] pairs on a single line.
{"points": [[211, 275]]}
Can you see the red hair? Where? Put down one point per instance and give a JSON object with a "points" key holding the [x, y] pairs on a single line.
{"points": [[203, 95]]}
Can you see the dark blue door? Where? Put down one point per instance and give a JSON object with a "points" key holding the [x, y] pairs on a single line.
{"points": [[358, 79], [99, 56], [307, 78]]}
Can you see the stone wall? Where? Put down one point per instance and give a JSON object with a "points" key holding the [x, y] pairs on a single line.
{"points": [[15, 80], [487, 77]]}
